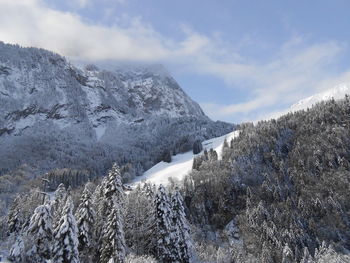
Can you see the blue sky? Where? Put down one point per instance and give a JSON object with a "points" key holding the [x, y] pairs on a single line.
{"points": [[241, 60]]}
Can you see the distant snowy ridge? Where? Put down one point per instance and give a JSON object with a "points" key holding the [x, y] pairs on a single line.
{"points": [[338, 92], [181, 164]]}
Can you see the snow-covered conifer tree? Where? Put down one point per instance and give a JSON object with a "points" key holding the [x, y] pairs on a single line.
{"points": [[58, 203], [182, 229], [85, 217], [65, 248], [40, 232], [60, 193], [98, 199], [99, 203], [287, 254], [14, 218], [166, 242], [17, 252], [112, 240], [114, 185]]}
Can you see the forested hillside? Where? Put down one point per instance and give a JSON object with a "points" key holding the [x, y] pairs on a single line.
{"points": [[73, 122], [285, 183], [56, 115], [280, 193]]}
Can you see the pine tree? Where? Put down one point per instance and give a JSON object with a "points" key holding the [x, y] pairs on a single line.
{"points": [[113, 242], [85, 216], [15, 218], [112, 238], [213, 155], [287, 254], [99, 203], [114, 185], [166, 246], [197, 147], [60, 195], [183, 239], [17, 251], [59, 203], [40, 231], [65, 248]]}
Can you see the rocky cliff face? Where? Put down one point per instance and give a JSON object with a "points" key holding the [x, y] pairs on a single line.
{"points": [[52, 113], [37, 85]]}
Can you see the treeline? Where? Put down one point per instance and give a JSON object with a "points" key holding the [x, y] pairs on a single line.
{"points": [[107, 226], [73, 159], [69, 177]]}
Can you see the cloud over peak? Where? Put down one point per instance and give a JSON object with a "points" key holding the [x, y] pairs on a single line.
{"points": [[294, 71]]}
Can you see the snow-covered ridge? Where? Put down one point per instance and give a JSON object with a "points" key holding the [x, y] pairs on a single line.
{"points": [[40, 86], [73, 116], [181, 164], [338, 92]]}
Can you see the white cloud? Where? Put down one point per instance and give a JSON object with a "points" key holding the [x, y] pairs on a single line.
{"points": [[89, 3], [296, 70], [287, 78], [31, 23]]}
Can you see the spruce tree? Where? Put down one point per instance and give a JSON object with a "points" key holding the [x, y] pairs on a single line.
{"points": [[65, 248], [114, 186], [15, 217], [213, 155], [287, 254], [17, 252], [40, 231], [112, 240], [183, 240], [59, 203], [99, 203], [166, 242], [85, 217], [60, 194], [197, 147]]}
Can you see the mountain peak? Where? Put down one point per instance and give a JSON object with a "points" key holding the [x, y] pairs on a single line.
{"points": [[39, 82], [337, 92], [89, 114]]}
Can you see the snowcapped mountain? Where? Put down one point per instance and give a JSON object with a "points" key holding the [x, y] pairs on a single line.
{"points": [[54, 114], [338, 92], [37, 85]]}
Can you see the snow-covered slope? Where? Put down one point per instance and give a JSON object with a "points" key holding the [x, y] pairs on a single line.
{"points": [[338, 92], [57, 115], [181, 164], [37, 85]]}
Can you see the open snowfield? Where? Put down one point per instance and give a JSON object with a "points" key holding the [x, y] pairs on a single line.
{"points": [[181, 164]]}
